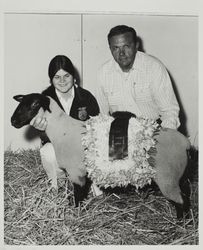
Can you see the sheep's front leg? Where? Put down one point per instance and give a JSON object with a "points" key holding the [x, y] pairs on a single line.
{"points": [[81, 190], [78, 194], [50, 164]]}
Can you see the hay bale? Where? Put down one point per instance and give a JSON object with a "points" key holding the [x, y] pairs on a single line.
{"points": [[34, 215]]}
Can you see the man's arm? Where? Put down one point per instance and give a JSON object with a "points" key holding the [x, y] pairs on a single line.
{"points": [[165, 98], [100, 94]]}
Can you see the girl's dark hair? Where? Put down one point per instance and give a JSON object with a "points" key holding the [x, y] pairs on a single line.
{"points": [[122, 29], [60, 62]]}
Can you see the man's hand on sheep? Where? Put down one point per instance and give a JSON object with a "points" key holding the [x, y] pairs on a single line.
{"points": [[39, 121]]}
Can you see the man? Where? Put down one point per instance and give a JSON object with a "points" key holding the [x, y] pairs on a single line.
{"points": [[136, 82]]}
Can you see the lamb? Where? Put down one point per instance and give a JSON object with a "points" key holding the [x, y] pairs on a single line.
{"points": [[66, 135]]}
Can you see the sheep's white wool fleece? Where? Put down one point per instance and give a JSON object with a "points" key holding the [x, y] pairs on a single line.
{"points": [[134, 169]]}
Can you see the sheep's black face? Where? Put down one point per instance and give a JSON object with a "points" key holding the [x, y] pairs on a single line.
{"points": [[28, 107]]}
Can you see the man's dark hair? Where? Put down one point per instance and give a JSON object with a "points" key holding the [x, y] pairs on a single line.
{"points": [[122, 29]]}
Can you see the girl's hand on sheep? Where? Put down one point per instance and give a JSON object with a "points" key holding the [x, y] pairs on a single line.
{"points": [[39, 122]]}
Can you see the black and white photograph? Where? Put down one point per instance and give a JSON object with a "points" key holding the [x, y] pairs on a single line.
{"points": [[100, 126]]}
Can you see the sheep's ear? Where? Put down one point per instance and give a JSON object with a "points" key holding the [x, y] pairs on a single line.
{"points": [[46, 103], [18, 98]]}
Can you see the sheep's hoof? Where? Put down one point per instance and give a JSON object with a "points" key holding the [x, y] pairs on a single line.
{"points": [[179, 211], [182, 211]]}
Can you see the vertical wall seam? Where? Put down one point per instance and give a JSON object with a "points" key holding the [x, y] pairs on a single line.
{"points": [[82, 41]]}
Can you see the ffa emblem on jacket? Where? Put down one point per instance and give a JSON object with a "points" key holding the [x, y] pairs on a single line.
{"points": [[82, 113]]}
